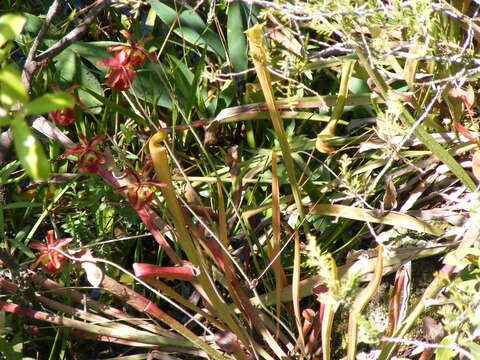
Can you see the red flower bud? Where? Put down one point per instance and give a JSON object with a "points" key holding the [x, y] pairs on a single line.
{"points": [[63, 117]]}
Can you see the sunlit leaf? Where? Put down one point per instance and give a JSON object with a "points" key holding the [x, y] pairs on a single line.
{"points": [[50, 102], [237, 42], [189, 26], [446, 353], [11, 26], [29, 150], [11, 86]]}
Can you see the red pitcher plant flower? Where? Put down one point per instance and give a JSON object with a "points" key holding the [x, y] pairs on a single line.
{"points": [[133, 52], [121, 74], [126, 57], [66, 116], [90, 158], [141, 193], [50, 257]]}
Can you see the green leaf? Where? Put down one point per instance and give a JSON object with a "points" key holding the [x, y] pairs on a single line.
{"points": [[11, 86], [7, 170], [29, 150], [237, 42], [11, 26], [5, 121], [65, 65], [33, 24], [474, 349], [183, 82], [189, 27], [445, 353], [50, 102], [149, 85], [88, 80], [461, 256], [93, 51], [20, 205]]}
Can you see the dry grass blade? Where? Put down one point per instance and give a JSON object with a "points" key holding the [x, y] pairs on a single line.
{"points": [[119, 333], [259, 57], [470, 238], [329, 312], [398, 301], [295, 291], [280, 277], [360, 269], [391, 218], [359, 303]]}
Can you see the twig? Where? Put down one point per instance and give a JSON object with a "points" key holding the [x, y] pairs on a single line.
{"points": [[428, 345], [453, 12], [32, 62], [298, 83], [30, 65], [75, 33]]}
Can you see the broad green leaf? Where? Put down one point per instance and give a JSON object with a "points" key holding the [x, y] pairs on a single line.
{"points": [[11, 86], [6, 50], [11, 26], [93, 51], [65, 65], [50, 102], [29, 150], [474, 349], [5, 121], [72, 70], [88, 80], [150, 84], [33, 24], [189, 27], [237, 42], [183, 80], [358, 86]]}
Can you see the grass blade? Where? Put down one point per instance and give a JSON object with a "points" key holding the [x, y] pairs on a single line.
{"points": [[419, 131], [391, 218], [259, 57], [359, 303]]}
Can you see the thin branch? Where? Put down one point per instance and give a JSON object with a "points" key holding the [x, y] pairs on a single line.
{"points": [[451, 11], [429, 345], [75, 33], [30, 65]]}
